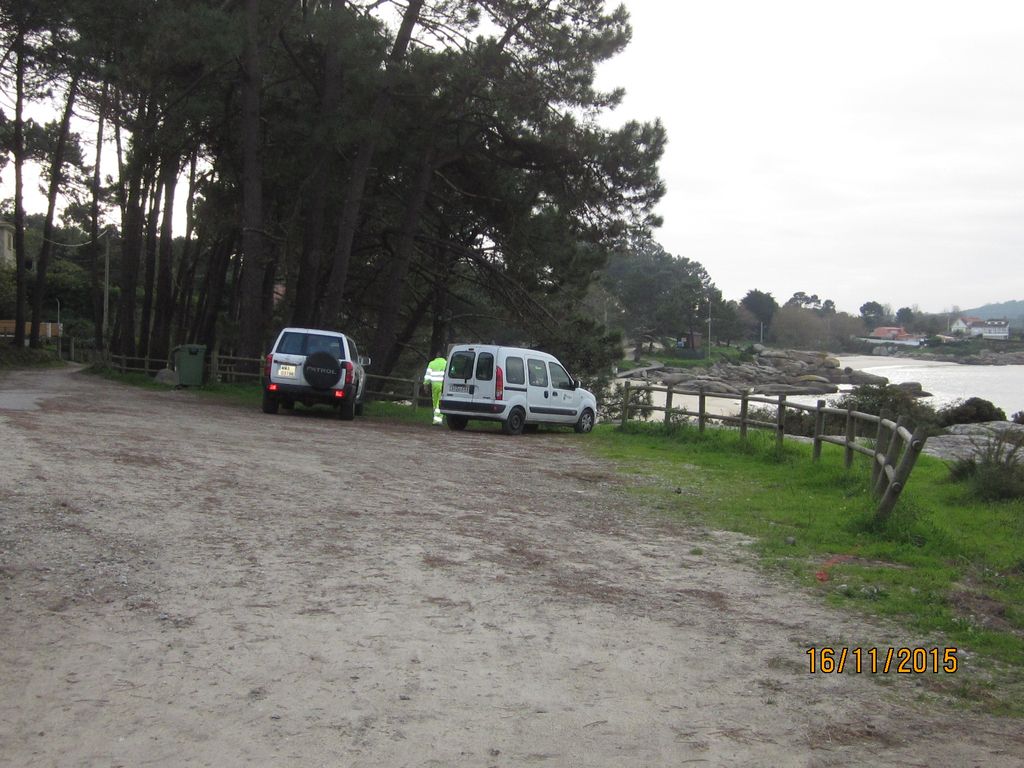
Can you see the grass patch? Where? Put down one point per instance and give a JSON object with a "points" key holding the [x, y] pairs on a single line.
{"points": [[24, 357], [669, 357], [944, 565]]}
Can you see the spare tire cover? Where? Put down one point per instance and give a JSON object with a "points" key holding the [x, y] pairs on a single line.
{"points": [[322, 370]]}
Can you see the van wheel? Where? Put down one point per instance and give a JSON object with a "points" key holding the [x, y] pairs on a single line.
{"points": [[270, 403], [347, 410], [515, 422], [586, 421], [359, 409], [456, 423]]}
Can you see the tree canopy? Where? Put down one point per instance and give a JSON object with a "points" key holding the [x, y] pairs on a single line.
{"points": [[413, 172]]}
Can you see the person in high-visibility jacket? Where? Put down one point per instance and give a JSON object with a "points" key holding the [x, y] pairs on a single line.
{"points": [[434, 376]]}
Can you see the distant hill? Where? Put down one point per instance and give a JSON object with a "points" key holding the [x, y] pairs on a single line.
{"points": [[1011, 310]]}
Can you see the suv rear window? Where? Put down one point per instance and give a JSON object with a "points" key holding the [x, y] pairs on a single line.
{"points": [[293, 343]]}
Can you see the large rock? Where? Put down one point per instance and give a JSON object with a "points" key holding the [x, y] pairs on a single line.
{"points": [[166, 376]]}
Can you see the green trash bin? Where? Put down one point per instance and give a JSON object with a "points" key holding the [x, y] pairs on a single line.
{"points": [[188, 363]]}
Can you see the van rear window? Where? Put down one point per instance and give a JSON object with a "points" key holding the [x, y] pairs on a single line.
{"points": [[515, 373], [461, 365], [484, 366]]}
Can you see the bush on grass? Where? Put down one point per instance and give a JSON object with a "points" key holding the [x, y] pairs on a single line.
{"points": [[974, 410], [995, 471]]}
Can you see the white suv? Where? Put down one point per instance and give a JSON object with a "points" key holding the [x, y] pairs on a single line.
{"points": [[312, 366], [521, 388]]}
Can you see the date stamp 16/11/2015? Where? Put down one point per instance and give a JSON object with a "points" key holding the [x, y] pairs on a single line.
{"points": [[903, 661]]}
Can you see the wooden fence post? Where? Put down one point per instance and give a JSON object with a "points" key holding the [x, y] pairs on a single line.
{"points": [[625, 404], [744, 405], [850, 438], [819, 428], [702, 415], [900, 476], [891, 452], [668, 406], [881, 443], [780, 423], [415, 394]]}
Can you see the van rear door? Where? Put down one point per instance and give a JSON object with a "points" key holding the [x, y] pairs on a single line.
{"points": [[484, 379], [459, 385]]}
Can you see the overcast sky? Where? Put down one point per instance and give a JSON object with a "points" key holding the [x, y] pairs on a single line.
{"points": [[858, 150]]}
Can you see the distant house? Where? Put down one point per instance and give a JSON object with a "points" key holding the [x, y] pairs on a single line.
{"points": [[997, 330], [892, 333], [6, 244]]}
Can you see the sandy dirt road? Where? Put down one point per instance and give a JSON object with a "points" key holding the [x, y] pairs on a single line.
{"points": [[192, 584]]}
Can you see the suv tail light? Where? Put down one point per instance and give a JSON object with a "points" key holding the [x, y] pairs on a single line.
{"points": [[267, 364], [499, 383], [348, 368]]}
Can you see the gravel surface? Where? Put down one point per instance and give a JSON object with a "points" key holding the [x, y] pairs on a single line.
{"points": [[189, 583]]}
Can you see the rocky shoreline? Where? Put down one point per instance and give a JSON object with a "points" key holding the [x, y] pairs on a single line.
{"points": [[985, 357], [772, 372]]}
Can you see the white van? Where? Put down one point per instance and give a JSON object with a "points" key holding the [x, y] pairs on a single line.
{"points": [[518, 387]]}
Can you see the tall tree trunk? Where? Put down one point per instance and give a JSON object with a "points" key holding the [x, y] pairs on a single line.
{"points": [[441, 314], [356, 184], [304, 306], [97, 248], [185, 282], [19, 203], [208, 309], [394, 291], [149, 278], [123, 340], [252, 323], [56, 179], [164, 307]]}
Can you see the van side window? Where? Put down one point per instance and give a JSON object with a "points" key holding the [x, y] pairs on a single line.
{"points": [[461, 365], [515, 373], [538, 373], [559, 378], [484, 366]]}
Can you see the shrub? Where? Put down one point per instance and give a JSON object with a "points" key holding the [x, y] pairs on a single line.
{"points": [[1018, 417], [974, 410], [892, 402], [995, 471]]}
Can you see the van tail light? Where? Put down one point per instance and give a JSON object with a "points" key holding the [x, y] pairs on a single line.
{"points": [[348, 368], [499, 384], [267, 365]]}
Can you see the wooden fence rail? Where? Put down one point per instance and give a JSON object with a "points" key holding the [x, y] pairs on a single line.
{"points": [[893, 453]]}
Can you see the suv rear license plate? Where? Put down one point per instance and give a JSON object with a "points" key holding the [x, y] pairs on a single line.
{"points": [[286, 371], [458, 388]]}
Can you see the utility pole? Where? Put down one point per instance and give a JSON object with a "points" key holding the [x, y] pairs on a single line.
{"points": [[709, 327]]}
